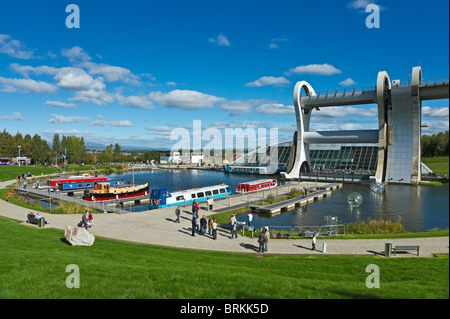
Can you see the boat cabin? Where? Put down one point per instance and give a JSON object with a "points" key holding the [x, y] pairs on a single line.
{"points": [[257, 185]]}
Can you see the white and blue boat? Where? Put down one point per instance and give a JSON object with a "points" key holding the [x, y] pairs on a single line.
{"points": [[162, 197]]}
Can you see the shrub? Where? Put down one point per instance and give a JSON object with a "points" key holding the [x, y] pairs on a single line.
{"points": [[376, 227]]}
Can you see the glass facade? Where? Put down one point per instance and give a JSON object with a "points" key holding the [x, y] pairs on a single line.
{"points": [[355, 157], [348, 157]]}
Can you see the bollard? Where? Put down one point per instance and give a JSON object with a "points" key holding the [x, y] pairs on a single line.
{"points": [[387, 250], [324, 249]]}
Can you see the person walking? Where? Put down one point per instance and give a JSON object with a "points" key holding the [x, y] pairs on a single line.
{"points": [[211, 203], [261, 240], [214, 228], [266, 243], [314, 242], [233, 223], [193, 227], [249, 220], [208, 202], [194, 210], [177, 213], [197, 223], [203, 225], [209, 226]]}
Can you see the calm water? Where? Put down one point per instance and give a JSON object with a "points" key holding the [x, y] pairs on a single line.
{"points": [[420, 207]]}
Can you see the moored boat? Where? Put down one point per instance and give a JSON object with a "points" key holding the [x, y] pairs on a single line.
{"points": [[86, 185], [162, 197], [256, 185], [85, 178], [105, 191]]}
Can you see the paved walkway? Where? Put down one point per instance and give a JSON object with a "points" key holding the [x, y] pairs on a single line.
{"points": [[157, 227]]}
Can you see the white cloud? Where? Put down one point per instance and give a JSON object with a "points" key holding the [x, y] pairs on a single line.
{"points": [[315, 69], [61, 119], [26, 86], [347, 82], [25, 70], [60, 104], [360, 5], [14, 48], [238, 107], [121, 123], [275, 108], [76, 54], [269, 80], [97, 97], [435, 111], [76, 79], [137, 101], [185, 99], [221, 40], [17, 116], [275, 43], [89, 89], [111, 73]]}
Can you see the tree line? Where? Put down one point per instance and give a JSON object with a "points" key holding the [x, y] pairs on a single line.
{"points": [[435, 145], [66, 149], [72, 149]]}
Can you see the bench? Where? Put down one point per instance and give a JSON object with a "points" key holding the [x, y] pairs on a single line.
{"points": [[31, 219], [406, 248]]}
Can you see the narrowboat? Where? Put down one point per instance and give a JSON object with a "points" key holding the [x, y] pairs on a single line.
{"points": [[54, 182], [105, 191], [86, 185], [162, 197], [257, 185]]}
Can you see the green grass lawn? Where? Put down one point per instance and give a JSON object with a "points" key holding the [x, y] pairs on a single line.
{"points": [[33, 264], [439, 165]]}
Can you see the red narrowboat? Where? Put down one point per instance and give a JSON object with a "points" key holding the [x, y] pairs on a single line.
{"points": [[257, 185]]}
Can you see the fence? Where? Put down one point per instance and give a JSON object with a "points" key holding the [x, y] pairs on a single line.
{"points": [[306, 231]]}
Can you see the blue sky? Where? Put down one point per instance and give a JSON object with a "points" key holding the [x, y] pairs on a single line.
{"points": [[135, 70]]}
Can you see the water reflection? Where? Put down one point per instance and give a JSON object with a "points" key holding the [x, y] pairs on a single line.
{"points": [[420, 208]]}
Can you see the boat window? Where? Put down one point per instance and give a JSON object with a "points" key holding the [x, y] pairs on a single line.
{"points": [[80, 185], [180, 198], [215, 191], [155, 193], [201, 194], [208, 193], [88, 185], [222, 190], [193, 195]]}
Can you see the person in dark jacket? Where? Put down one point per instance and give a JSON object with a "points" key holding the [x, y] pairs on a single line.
{"points": [[262, 240]]}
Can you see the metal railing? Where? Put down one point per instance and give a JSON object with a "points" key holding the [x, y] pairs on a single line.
{"points": [[426, 82], [295, 232]]}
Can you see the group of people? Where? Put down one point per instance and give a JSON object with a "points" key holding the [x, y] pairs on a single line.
{"points": [[199, 225], [86, 220]]}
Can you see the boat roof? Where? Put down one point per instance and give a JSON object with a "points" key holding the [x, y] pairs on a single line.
{"points": [[258, 181], [200, 189]]}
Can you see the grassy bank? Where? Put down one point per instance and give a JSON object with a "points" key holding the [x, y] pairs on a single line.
{"points": [[439, 165], [9, 172], [34, 263]]}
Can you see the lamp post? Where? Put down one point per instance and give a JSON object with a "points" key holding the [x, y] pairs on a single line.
{"points": [[19, 152]]}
